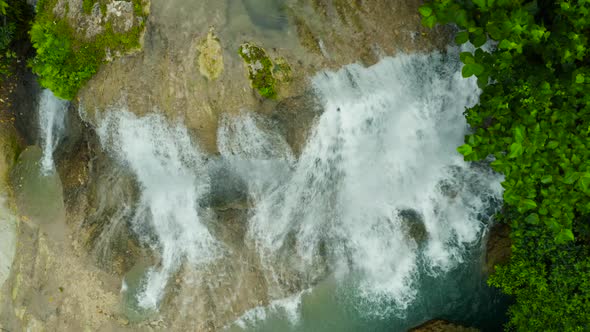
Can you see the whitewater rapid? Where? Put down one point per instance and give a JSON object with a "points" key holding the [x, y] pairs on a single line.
{"points": [[170, 172], [379, 168], [379, 191]]}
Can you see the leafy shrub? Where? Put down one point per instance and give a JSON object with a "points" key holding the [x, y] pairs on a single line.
{"points": [[534, 119], [65, 60], [87, 6], [14, 18], [60, 69]]}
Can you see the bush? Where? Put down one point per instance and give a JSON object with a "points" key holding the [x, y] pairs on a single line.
{"points": [[14, 18], [534, 119], [59, 68], [65, 60]]}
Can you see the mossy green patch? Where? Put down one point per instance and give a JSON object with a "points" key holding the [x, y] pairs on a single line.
{"points": [[260, 69], [65, 58], [87, 6]]}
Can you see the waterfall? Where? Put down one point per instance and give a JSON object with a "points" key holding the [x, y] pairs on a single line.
{"points": [[170, 172], [379, 191], [52, 112]]}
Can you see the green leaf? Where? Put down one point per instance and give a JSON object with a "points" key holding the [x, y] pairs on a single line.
{"points": [[552, 144], [519, 133], [472, 69], [546, 179], [532, 219], [480, 3], [462, 37], [526, 204], [584, 183], [564, 236], [516, 150], [571, 177], [580, 78], [429, 21], [466, 58], [425, 10], [478, 40], [465, 149]]}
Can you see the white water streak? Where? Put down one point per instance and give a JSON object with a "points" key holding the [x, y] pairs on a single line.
{"points": [[169, 170], [52, 112], [385, 144]]}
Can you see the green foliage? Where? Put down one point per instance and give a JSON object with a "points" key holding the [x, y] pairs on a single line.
{"points": [[551, 283], [65, 59], [87, 6], [260, 69], [60, 69], [533, 118], [14, 17]]}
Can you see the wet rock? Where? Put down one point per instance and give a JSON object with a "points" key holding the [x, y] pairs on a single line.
{"points": [[295, 117], [439, 325], [210, 56], [39, 197], [268, 14], [414, 224], [498, 247]]}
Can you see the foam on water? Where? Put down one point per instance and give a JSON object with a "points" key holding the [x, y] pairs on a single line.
{"points": [[170, 171], [384, 148], [52, 112]]}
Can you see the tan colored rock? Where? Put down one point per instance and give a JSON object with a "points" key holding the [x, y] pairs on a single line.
{"points": [[439, 325], [120, 13], [210, 56], [498, 247], [179, 75]]}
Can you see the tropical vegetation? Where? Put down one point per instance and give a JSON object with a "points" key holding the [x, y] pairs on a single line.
{"points": [[14, 24], [531, 60], [66, 58]]}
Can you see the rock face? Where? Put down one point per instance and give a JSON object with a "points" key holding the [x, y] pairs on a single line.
{"points": [[439, 325], [498, 247], [90, 21], [192, 75], [210, 56]]}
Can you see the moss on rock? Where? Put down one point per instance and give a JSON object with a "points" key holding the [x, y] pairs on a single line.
{"points": [[72, 44], [260, 69], [210, 57]]}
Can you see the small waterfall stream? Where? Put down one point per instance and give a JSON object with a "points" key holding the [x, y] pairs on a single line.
{"points": [[169, 170], [52, 112]]}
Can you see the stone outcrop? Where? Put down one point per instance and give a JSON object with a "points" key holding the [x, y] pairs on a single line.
{"points": [[498, 247], [92, 21], [190, 74], [439, 325], [210, 56]]}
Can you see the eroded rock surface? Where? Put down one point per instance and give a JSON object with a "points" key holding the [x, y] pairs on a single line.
{"points": [[439, 325]]}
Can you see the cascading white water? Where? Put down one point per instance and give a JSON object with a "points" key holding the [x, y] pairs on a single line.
{"points": [[169, 170], [261, 156], [384, 149], [52, 112]]}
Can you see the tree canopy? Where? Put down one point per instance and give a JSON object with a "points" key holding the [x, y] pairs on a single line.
{"points": [[531, 61]]}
